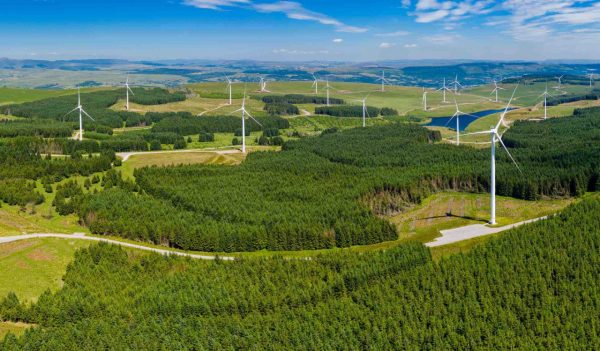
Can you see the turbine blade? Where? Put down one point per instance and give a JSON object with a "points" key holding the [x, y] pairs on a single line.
{"points": [[450, 120], [249, 115], [506, 149], [507, 107], [85, 113], [68, 113], [236, 111]]}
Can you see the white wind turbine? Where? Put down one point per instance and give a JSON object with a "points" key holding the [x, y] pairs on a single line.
{"points": [[424, 100], [127, 91], [559, 82], [457, 115], [545, 95], [495, 136], [263, 85], [315, 84], [383, 81], [229, 84], [591, 76], [244, 113], [456, 84], [81, 113], [365, 111], [444, 89], [496, 89]]}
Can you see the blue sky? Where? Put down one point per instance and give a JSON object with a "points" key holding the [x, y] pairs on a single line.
{"points": [[352, 30]]}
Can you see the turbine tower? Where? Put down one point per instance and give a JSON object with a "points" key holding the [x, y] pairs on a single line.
{"points": [[591, 76], [365, 112], [456, 84], [127, 91], [263, 85], [559, 82], [229, 84], [545, 95], [495, 136], [457, 115], [244, 113], [81, 113], [496, 89], [444, 89], [315, 84], [383, 81], [424, 100]]}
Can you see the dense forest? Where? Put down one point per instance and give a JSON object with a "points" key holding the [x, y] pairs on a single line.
{"points": [[347, 111], [300, 99], [184, 125], [22, 163], [331, 190], [41, 128], [566, 98], [97, 104], [533, 288]]}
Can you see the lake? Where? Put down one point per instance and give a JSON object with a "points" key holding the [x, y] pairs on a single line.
{"points": [[464, 120]]}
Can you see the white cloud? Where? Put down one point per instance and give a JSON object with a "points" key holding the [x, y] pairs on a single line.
{"points": [[427, 11], [215, 4], [386, 45], [292, 9], [410, 46], [393, 34], [338, 40], [523, 19], [295, 10]]}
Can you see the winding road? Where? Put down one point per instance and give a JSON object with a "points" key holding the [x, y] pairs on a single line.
{"points": [[448, 237], [80, 236], [454, 235]]}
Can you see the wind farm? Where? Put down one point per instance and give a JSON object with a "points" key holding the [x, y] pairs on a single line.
{"points": [[295, 175]]}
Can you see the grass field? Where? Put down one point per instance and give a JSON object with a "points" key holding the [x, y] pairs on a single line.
{"points": [[178, 158], [451, 210], [30, 267], [17, 95]]}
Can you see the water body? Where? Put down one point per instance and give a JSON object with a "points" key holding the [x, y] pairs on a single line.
{"points": [[464, 120]]}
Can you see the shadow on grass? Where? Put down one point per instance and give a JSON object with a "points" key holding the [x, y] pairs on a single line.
{"points": [[449, 214]]}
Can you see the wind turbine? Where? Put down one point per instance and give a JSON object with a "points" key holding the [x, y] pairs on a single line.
{"points": [[315, 84], [263, 85], [244, 113], [591, 76], [545, 94], [365, 112], [444, 89], [495, 136], [383, 81], [127, 90], [559, 82], [424, 100], [81, 112], [457, 115], [229, 84], [456, 84], [496, 89]]}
